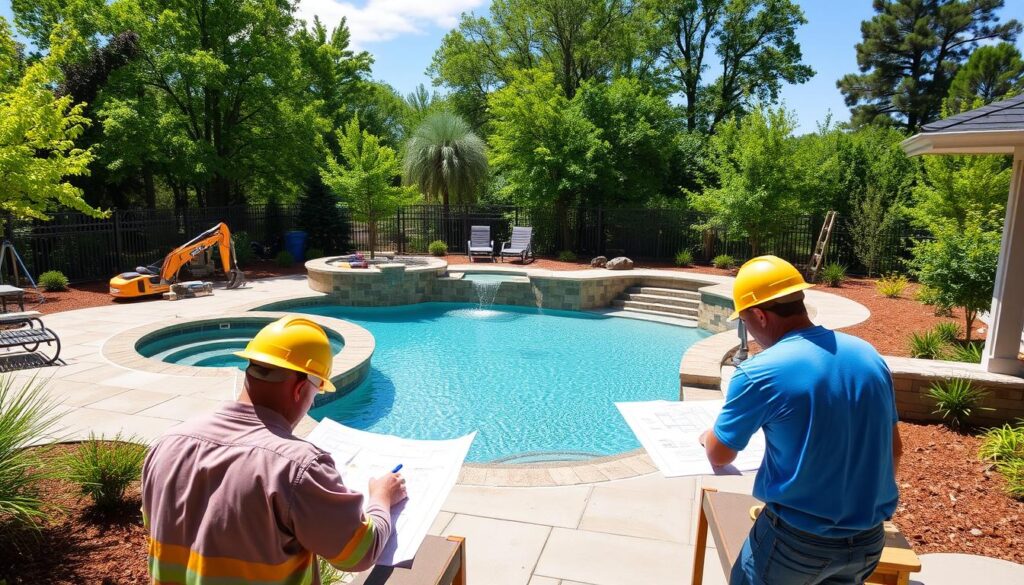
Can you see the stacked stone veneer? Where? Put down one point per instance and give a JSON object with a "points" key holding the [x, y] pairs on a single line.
{"points": [[383, 286], [715, 307]]}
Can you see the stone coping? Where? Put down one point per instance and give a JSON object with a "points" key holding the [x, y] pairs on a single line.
{"points": [[120, 350], [322, 265], [921, 369], [596, 273]]}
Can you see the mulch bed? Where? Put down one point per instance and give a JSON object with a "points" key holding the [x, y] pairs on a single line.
{"points": [[950, 501], [77, 545]]}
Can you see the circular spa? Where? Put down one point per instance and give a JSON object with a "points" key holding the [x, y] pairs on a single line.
{"points": [[210, 344], [537, 385]]}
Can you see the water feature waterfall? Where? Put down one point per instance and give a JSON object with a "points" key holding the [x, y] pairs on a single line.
{"points": [[485, 292]]}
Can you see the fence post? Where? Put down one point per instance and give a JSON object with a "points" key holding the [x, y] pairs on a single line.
{"points": [[117, 240], [400, 236]]}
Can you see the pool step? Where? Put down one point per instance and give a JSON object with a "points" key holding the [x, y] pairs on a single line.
{"points": [[652, 307], [678, 293], [662, 300]]}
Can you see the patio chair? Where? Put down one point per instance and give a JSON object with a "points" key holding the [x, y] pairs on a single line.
{"points": [[480, 242], [25, 331], [520, 245]]}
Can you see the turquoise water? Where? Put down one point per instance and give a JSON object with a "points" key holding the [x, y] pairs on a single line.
{"points": [[535, 384], [207, 346]]}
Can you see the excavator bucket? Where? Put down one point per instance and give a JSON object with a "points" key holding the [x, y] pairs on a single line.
{"points": [[236, 278]]}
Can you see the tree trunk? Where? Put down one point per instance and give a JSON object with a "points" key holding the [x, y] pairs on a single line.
{"points": [[371, 232], [969, 318]]}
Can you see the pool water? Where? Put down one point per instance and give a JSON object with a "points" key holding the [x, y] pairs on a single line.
{"points": [[536, 385], [207, 346]]}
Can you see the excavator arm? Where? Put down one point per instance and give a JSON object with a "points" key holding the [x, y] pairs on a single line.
{"points": [[220, 236]]}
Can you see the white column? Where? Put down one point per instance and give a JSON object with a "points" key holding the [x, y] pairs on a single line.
{"points": [[1003, 343]]}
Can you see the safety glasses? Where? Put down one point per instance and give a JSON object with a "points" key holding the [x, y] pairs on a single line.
{"points": [[316, 382]]}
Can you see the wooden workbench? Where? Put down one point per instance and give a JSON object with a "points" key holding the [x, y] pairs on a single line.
{"points": [[439, 561], [727, 516]]}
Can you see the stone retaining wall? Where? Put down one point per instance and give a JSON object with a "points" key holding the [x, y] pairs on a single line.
{"points": [[913, 378]]}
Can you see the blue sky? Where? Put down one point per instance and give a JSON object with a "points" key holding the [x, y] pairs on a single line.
{"points": [[402, 35]]}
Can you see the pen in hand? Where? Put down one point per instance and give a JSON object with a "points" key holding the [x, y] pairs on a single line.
{"points": [[397, 468]]}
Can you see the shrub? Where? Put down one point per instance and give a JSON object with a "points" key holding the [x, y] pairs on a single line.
{"points": [[684, 258], [26, 416], [438, 248], [284, 259], [105, 469], [243, 247], [969, 352], [892, 285], [314, 253], [955, 400], [567, 256], [1001, 444], [1013, 471], [724, 261], [329, 575], [417, 245], [928, 345], [833, 274], [53, 280], [948, 331]]}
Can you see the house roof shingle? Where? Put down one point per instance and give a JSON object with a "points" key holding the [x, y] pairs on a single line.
{"points": [[1004, 115]]}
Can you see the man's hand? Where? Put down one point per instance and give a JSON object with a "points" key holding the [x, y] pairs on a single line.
{"points": [[388, 490]]}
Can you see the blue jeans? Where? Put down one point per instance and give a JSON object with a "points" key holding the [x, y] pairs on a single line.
{"points": [[775, 553]]}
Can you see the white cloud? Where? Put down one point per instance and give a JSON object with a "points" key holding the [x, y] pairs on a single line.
{"points": [[383, 20]]}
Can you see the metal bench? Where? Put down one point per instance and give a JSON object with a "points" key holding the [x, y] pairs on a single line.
{"points": [[25, 330]]}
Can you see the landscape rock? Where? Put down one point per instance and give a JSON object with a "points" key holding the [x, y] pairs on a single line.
{"points": [[620, 263], [599, 262]]}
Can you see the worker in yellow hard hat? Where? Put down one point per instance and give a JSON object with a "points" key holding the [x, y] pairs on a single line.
{"points": [[235, 495], [826, 405]]}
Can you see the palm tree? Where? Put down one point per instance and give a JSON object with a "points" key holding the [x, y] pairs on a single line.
{"points": [[445, 159]]}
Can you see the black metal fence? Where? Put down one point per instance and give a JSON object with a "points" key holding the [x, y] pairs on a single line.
{"points": [[644, 234], [85, 248]]}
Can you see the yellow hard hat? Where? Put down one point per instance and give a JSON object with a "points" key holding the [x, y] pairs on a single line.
{"points": [[764, 279], [293, 343]]}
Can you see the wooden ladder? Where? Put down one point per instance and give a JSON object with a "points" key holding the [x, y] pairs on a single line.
{"points": [[818, 257]]}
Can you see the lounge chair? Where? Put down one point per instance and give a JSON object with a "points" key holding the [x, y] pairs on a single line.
{"points": [[480, 242], [25, 331], [520, 245]]}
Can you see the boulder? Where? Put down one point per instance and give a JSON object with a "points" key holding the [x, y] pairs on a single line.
{"points": [[620, 263], [599, 262]]}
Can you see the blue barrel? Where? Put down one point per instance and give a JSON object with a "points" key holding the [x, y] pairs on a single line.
{"points": [[295, 243]]}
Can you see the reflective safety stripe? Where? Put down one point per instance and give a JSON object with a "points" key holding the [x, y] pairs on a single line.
{"points": [[355, 550], [180, 565]]}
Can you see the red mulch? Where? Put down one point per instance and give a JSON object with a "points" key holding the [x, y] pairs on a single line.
{"points": [[945, 493], [77, 545]]}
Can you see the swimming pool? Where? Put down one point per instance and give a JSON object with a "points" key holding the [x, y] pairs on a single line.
{"points": [[537, 385]]}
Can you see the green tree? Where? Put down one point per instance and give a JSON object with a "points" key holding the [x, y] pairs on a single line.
{"points": [[990, 74], [640, 128], [365, 177], [755, 44], [910, 51], [37, 137], [542, 146], [753, 159], [320, 217], [445, 159], [954, 188], [960, 265], [575, 40], [225, 82]]}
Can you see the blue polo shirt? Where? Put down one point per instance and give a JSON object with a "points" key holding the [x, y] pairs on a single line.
{"points": [[826, 403]]}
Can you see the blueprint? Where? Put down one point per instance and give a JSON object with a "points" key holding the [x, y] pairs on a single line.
{"points": [[430, 469], [670, 432]]}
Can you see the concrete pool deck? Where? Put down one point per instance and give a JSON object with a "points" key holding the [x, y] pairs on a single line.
{"points": [[601, 531]]}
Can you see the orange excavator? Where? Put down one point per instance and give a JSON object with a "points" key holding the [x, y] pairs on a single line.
{"points": [[145, 281]]}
